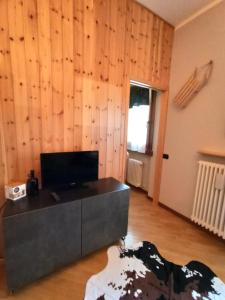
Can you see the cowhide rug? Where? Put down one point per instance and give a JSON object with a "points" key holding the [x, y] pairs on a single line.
{"points": [[141, 272]]}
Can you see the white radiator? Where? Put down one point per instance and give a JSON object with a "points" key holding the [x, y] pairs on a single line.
{"points": [[209, 203], [134, 172]]}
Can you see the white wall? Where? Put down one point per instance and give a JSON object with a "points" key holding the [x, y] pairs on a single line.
{"points": [[202, 122]]}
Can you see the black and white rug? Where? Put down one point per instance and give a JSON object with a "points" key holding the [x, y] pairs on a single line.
{"points": [[140, 272]]}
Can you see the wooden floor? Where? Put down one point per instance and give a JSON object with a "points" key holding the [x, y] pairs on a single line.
{"points": [[176, 239]]}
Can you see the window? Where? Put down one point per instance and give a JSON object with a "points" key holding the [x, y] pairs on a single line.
{"points": [[141, 119], [137, 127]]}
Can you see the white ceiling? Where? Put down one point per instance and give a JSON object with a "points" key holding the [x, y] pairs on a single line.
{"points": [[176, 11]]}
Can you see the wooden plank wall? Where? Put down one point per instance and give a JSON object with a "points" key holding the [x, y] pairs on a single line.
{"points": [[2, 162], [64, 72]]}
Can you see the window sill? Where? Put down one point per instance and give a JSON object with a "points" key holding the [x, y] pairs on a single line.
{"points": [[149, 155]]}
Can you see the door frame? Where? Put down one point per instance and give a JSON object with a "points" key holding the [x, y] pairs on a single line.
{"points": [[164, 97]]}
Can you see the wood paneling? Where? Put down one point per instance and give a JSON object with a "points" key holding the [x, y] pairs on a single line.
{"points": [[2, 159], [8, 124], [65, 66]]}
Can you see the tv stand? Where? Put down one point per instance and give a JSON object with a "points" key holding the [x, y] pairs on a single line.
{"points": [[42, 235], [68, 186]]}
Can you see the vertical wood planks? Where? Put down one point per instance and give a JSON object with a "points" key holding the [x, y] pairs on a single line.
{"points": [[88, 70], [22, 113], [56, 18], [143, 43], [111, 57], [2, 160], [167, 44], [120, 83], [33, 83], [126, 90], [68, 78], [43, 10], [156, 49], [8, 124], [102, 10], [65, 67], [149, 47], [78, 71]]}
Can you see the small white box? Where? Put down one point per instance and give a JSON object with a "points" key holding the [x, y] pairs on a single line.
{"points": [[15, 190]]}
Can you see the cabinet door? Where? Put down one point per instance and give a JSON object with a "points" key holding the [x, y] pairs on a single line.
{"points": [[41, 241], [104, 220]]}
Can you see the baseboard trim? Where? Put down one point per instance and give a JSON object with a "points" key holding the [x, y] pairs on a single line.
{"points": [[190, 222], [138, 189], [175, 212]]}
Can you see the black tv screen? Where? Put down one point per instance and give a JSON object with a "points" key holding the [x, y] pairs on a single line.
{"points": [[68, 168]]}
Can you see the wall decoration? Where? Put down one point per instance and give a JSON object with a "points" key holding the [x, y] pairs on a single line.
{"points": [[198, 79]]}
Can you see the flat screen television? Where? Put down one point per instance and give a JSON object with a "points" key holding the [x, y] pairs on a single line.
{"points": [[68, 169]]}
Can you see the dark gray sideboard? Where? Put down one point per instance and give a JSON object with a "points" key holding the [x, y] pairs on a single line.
{"points": [[42, 235]]}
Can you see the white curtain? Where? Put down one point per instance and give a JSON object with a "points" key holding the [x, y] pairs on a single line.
{"points": [[137, 128]]}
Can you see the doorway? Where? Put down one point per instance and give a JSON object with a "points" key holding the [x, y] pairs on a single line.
{"points": [[142, 136]]}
